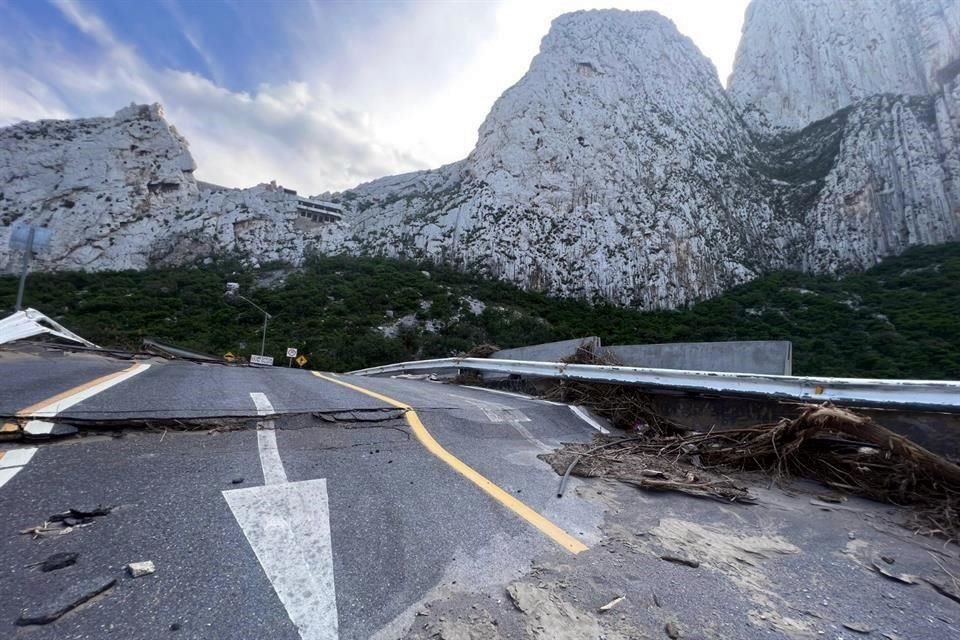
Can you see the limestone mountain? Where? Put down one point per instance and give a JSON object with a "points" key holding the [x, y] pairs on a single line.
{"points": [[617, 168], [119, 193]]}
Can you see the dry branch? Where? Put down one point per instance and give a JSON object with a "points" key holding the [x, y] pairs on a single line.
{"points": [[840, 448]]}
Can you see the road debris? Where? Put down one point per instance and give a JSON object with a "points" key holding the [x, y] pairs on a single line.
{"points": [[138, 569], [623, 460], [42, 429], [945, 590], [550, 617], [846, 451], [858, 628], [59, 561], [63, 523], [80, 516], [671, 629], [612, 603], [68, 599], [904, 578], [831, 498], [482, 351], [690, 562]]}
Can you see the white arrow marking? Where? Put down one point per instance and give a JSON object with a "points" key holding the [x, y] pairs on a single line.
{"points": [[12, 461], [288, 526]]}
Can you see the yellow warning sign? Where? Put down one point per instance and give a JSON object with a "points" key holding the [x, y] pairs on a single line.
{"points": [[301, 360], [229, 357]]}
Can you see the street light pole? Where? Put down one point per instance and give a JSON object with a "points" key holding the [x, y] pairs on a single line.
{"points": [[233, 291], [263, 338]]}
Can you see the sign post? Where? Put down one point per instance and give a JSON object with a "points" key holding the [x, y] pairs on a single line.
{"points": [[291, 354]]}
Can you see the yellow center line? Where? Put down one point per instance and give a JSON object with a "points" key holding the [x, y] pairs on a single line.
{"points": [[44, 404], [545, 526]]}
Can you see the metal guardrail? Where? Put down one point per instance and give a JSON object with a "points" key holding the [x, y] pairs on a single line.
{"points": [[928, 394]]}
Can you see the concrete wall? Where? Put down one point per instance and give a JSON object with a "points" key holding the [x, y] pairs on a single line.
{"points": [[549, 352], [759, 356]]}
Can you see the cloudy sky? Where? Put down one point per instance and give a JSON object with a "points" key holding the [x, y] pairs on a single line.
{"points": [[317, 94]]}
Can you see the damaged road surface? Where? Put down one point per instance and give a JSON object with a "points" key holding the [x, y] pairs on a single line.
{"points": [[273, 503], [212, 512]]}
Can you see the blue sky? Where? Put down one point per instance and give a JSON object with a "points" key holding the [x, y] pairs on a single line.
{"points": [[319, 95]]}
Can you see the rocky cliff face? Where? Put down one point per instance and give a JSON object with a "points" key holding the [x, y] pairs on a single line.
{"points": [[119, 193], [802, 60], [872, 85], [618, 168]]}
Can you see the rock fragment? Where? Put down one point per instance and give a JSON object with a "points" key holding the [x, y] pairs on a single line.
{"points": [[59, 561], [138, 569], [70, 598]]}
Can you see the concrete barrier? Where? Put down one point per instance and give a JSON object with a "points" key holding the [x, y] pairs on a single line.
{"points": [[773, 357], [550, 351]]}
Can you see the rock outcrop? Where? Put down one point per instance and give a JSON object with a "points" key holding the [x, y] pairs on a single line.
{"points": [[618, 168], [800, 61], [119, 193], [872, 85]]}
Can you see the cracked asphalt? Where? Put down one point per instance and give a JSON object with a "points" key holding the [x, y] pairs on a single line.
{"points": [[403, 524]]}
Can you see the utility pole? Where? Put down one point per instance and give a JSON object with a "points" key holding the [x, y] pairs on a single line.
{"points": [[233, 291]]}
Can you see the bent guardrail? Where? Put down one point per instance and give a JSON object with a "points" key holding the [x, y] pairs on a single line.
{"points": [[938, 395]]}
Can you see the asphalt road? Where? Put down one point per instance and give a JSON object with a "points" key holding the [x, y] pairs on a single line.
{"points": [[405, 526], [311, 507]]}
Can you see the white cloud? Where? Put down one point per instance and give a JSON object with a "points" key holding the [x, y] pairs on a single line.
{"points": [[383, 96], [433, 108]]}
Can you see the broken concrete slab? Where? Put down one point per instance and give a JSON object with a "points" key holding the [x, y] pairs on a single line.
{"points": [[39, 429], [67, 600]]}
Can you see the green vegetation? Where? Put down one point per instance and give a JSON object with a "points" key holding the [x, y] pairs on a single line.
{"points": [[899, 319]]}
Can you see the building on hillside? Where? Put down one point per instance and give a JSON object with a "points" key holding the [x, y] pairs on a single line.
{"points": [[319, 211]]}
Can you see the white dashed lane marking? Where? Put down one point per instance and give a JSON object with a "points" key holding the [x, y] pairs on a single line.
{"points": [[273, 472], [12, 461]]}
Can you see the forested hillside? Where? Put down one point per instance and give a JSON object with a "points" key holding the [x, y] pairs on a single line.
{"points": [[899, 319]]}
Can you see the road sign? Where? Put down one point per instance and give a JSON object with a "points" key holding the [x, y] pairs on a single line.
{"points": [[266, 361], [21, 240], [28, 238], [301, 360], [291, 352], [229, 357]]}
